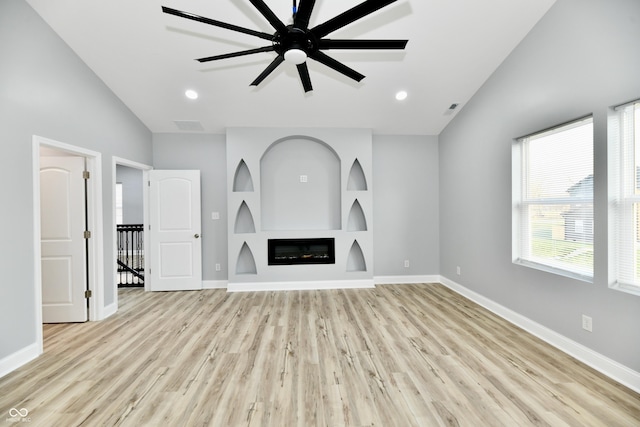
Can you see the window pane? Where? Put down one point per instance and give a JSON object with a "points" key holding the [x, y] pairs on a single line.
{"points": [[561, 164], [561, 236], [119, 204]]}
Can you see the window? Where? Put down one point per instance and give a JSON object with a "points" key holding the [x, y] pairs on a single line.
{"points": [[553, 200], [119, 203], [624, 189]]}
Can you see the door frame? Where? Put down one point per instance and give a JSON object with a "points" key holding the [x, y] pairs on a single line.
{"points": [[95, 259], [115, 161]]}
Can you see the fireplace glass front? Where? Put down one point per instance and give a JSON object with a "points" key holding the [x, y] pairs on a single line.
{"points": [[301, 251]]}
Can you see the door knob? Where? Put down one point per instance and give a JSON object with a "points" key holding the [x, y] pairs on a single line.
{"points": [[197, 236]]}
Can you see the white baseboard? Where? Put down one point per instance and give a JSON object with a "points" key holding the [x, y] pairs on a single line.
{"points": [[398, 280], [109, 310], [614, 370], [214, 284], [19, 358], [299, 286]]}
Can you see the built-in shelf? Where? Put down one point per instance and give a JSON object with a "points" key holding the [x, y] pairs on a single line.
{"points": [[246, 264], [355, 261], [244, 220], [357, 180], [242, 180], [357, 220]]}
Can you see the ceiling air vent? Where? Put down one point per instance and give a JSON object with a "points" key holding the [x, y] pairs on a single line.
{"points": [[192, 125]]}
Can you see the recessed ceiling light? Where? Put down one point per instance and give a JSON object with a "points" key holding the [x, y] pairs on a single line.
{"points": [[191, 94], [402, 95]]}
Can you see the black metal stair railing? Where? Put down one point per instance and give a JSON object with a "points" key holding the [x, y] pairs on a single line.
{"points": [[130, 241]]}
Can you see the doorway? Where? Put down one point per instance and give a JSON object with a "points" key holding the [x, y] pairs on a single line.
{"points": [[129, 227], [93, 216], [134, 209]]}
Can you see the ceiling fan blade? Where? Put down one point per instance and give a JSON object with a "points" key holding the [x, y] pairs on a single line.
{"points": [[215, 23], [346, 18], [361, 44], [234, 54], [338, 66], [304, 77], [274, 64], [301, 19], [268, 13]]}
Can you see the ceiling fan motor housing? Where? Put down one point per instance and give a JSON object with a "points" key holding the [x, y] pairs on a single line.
{"points": [[295, 38]]}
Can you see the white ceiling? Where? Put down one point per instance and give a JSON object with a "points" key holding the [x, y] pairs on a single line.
{"points": [[147, 58]]}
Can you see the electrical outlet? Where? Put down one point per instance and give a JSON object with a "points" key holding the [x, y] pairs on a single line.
{"points": [[215, 215], [218, 268], [458, 271], [587, 323], [304, 178], [406, 263]]}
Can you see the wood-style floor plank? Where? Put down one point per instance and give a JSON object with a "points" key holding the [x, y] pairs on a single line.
{"points": [[403, 355]]}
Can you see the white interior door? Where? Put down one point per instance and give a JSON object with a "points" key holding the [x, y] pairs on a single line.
{"points": [[174, 220], [62, 226]]}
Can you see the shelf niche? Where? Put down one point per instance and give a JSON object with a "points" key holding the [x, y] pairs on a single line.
{"points": [[287, 202], [242, 181], [246, 264], [244, 220], [357, 181], [357, 220], [355, 261]]}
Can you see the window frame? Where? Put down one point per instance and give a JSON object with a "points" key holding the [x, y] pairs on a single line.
{"points": [[623, 202], [521, 205]]}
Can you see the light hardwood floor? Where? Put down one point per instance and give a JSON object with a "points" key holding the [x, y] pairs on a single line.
{"points": [[403, 355]]}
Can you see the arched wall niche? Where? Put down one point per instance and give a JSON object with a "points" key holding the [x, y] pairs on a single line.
{"points": [[300, 185]]}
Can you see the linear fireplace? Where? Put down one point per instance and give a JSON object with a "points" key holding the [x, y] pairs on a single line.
{"points": [[301, 251]]}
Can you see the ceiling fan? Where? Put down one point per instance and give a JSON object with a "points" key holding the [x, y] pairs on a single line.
{"points": [[296, 42]]}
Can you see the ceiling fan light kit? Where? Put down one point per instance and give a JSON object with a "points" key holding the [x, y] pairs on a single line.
{"points": [[295, 43], [295, 56]]}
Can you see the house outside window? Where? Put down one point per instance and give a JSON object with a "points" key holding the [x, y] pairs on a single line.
{"points": [[624, 200], [553, 200]]}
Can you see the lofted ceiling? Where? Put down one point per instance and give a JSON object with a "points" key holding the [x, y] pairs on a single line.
{"points": [[147, 57]]}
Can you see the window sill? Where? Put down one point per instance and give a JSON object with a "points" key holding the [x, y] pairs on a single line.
{"points": [[554, 270], [630, 289]]}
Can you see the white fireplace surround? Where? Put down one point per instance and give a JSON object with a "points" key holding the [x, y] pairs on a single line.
{"points": [[299, 183]]}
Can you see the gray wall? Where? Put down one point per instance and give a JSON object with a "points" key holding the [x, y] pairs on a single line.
{"points": [[405, 205], [581, 58], [207, 153], [132, 194], [46, 90]]}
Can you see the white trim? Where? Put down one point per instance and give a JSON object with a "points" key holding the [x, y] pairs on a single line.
{"points": [[215, 284], [37, 248], [110, 310], [96, 265], [614, 370], [19, 358], [146, 218], [300, 286], [115, 161], [400, 280]]}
